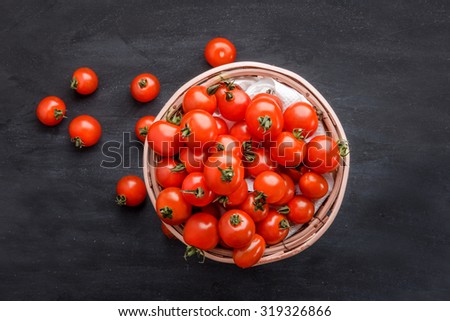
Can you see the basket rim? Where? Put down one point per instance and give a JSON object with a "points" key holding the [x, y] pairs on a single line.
{"points": [[343, 171]]}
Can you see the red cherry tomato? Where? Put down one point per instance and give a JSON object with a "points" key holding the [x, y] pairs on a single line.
{"points": [[130, 191], [51, 110], [240, 131], [290, 190], [164, 138], [171, 206], [223, 173], [195, 191], [226, 144], [264, 119], [294, 172], [301, 115], [198, 129], [145, 88], [300, 210], [236, 228], [275, 99], [288, 150], [166, 231], [313, 185], [235, 198], [84, 81], [258, 160], [199, 97], [251, 254], [85, 131], [201, 231], [232, 102], [170, 173], [193, 160], [220, 51], [142, 127], [271, 184], [323, 154], [255, 205], [222, 127], [274, 228]]}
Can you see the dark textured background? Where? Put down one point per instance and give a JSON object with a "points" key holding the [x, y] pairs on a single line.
{"points": [[383, 66]]}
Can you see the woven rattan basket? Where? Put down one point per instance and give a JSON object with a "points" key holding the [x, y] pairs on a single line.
{"points": [[325, 215]]}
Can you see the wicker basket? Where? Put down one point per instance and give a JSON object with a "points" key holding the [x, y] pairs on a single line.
{"points": [[325, 215]]}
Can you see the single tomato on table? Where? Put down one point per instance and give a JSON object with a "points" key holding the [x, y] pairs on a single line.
{"points": [[84, 81], [51, 111], [220, 51], [130, 191], [85, 131], [145, 87]]}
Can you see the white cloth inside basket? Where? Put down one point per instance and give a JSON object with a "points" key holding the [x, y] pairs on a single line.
{"points": [[288, 96]]}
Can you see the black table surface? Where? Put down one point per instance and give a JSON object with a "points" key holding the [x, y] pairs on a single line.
{"points": [[383, 66]]}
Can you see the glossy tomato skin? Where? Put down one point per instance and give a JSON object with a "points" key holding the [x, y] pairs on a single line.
{"points": [[258, 160], [233, 103], [198, 129], [169, 172], [274, 98], [193, 160], [240, 131], [197, 97], [130, 191], [251, 254], [84, 81], [313, 185], [223, 173], [256, 207], [274, 228], [288, 150], [195, 191], [301, 115], [201, 231], [220, 51], [236, 228], [301, 210], [171, 207], [290, 190], [264, 119], [235, 198], [222, 127], [85, 131], [51, 110], [145, 87], [322, 154], [271, 184], [164, 138], [226, 144], [142, 126]]}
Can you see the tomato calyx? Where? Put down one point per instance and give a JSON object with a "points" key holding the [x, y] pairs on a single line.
{"points": [[229, 84], [74, 83], [235, 219], [265, 123], [121, 200], [284, 210], [227, 174], [211, 90], [166, 212], [58, 113], [284, 224], [192, 250], [198, 192], [143, 131], [179, 168], [344, 149], [220, 147], [261, 196], [259, 204], [78, 142], [229, 96], [175, 118], [222, 200], [186, 131], [142, 83], [298, 133]]}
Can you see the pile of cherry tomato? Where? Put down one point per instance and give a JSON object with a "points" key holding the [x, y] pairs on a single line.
{"points": [[204, 164]]}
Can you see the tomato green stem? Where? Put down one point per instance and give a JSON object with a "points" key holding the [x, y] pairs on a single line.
{"points": [[229, 96], [222, 200], [74, 83], [344, 149], [166, 212], [175, 118], [284, 224], [220, 147], [284, 210], [260, 196], [229, 84], [186, 131], [121, 200], [259, 204], [198, 192], [298, 133], [270, 91], [192, 250], [235, 219], [78, 142], [265, 123], [211, 90], [143, 131], [227, 174], [178, 168], [58, 113], [142, 83]]}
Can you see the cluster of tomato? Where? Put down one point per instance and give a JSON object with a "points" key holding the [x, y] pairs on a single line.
{"points": [[204, 164]]}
